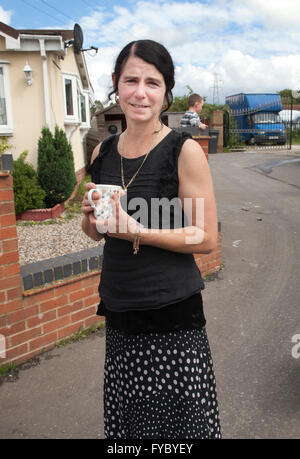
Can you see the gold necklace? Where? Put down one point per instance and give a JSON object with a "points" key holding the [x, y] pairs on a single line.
{"points": [[140, 167]]}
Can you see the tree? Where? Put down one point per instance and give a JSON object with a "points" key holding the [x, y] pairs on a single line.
{"points": [[289, 95], [28, 193], [97, 106], [56, 171]]}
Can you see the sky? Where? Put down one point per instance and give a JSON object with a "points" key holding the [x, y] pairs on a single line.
{"points": [[219, 47]]}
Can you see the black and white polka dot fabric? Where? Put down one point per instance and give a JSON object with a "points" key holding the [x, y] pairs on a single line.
{"points": [[159, 386]]}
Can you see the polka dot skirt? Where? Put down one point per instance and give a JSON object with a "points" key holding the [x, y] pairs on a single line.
{"points": [[159, 386]]}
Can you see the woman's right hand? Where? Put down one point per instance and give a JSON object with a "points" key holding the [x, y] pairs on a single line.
{"points": [[89, 221], [86, 207]]}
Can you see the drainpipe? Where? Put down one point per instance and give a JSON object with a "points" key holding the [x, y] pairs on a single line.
{"points": [[45, 79]]}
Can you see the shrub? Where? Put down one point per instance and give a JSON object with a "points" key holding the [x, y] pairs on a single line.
{"points": [[56, 171], [28, 192]]}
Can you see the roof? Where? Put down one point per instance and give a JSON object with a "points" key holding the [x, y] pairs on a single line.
{"points": [[14, 33]]}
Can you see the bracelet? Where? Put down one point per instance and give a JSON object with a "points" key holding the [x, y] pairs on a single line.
{"points": [[136, 242]]}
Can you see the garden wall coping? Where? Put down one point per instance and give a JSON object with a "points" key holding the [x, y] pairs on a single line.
{"points": [[52, 270]]}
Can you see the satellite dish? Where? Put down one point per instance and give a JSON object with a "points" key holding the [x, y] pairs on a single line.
{"points": [[78, 38]]}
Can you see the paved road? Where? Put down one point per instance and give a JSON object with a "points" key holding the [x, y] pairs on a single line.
{"points": [[252, 309]]}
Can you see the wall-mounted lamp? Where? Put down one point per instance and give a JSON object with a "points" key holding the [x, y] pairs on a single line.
{"points": [[28, 74]]}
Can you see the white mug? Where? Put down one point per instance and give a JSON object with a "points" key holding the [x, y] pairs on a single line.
{"points": [[103, 209]]}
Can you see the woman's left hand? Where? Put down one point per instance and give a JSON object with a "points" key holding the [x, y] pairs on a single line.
{"points": [[120, 225]]}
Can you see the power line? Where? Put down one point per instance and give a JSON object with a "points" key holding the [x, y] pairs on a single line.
{"points": [[56, 9], [87, 3], [41, 11]]}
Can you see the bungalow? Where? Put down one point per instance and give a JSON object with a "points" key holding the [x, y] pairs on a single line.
{"points": [[44, 81]]}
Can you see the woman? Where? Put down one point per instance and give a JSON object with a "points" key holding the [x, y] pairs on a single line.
{"points": [[158, 378]]}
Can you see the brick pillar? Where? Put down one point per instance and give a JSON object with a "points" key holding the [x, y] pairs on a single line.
{"points": [[10, 277], [216, 122]]}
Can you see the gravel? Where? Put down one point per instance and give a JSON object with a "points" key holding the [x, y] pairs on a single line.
{"points": [[41, 241]]}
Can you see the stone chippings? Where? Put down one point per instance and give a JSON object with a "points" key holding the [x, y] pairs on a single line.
{"points": [[41, 242]]}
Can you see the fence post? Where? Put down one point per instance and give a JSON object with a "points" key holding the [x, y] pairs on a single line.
{"points": [[216, 122], [10, 278]]}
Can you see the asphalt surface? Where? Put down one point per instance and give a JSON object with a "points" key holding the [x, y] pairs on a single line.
{"points": [[252, 311]]}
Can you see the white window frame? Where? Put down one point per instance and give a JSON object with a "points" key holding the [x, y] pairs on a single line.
{"points": [[71, 118], [6, 129], [85, 124]]}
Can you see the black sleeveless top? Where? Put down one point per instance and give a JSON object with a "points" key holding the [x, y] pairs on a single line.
{"points": [[156, 289]]}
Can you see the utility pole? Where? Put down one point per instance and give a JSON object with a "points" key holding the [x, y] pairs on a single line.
{"points": [[216, 86]]}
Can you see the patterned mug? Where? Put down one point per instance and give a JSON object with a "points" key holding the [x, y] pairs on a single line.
{"points": [[103, 209]]}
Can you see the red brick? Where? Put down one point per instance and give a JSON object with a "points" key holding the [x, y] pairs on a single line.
{"points": [[23, 314], [7, 208], [10, 306], [8, 233], [10, 257], [77, 295], [53, 303], [91, 281], [6, 181], [94, 299], [2, 296], [70, 330], [14, 293], [70, 308], [84, 314], [40, 319], [10, 282], [13, 329], [12, 269], [42, 341], [6, 195], [10, 245], [42, 296], [26, 336], [8, 220], [70, 287], [56, 324], [17, 351], [95, 320]]}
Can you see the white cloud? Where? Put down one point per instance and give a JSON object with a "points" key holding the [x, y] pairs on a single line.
{"points": [[253, 45], [5, 15], [276, 13]]}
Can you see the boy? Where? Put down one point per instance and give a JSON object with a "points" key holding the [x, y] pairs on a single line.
{"points": [[191, 117]]}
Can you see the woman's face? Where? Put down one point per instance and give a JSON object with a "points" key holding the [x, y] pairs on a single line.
{"points": [[141, 90]]}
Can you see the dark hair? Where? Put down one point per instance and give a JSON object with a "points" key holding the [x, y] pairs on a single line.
{"points": [[193, 98], [154, 53]]}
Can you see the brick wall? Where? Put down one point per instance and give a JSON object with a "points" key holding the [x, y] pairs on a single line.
{"points": [[35, 319], [211, 262], [45, 302]]}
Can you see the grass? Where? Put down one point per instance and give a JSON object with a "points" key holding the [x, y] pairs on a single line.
{"points": [[80, 335]]}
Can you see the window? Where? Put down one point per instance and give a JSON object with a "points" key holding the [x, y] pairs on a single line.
{"points": [[83, 108], [69, 88], [69, 97], [3, 112], [76, 101], [5, 105]]}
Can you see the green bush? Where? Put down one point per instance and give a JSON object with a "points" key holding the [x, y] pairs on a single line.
{"points": [[55, 170], [28, 192]]}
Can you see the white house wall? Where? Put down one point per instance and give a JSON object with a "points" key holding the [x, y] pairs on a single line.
{"points": [[28, 102]]}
